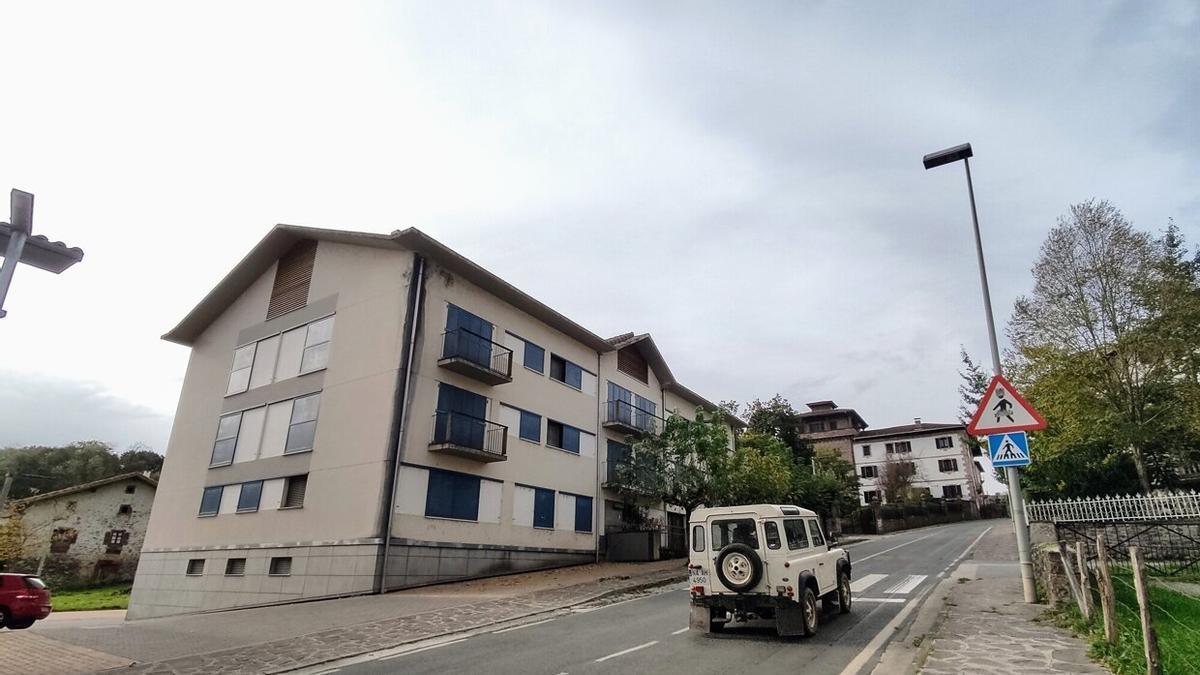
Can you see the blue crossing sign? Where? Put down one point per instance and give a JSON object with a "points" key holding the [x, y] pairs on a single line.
{"points": [[1010, 449]]}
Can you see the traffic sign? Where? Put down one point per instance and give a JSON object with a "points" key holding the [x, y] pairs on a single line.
{"points": [[1011, 449], [1002, 409]]}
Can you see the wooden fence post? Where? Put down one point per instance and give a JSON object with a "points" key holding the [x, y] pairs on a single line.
{"points": [[1085, 586], [1149, 638], [1072, 580], [1107, 599]]}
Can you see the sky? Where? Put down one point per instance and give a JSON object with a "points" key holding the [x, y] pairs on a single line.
{"points": [[741, 180]]}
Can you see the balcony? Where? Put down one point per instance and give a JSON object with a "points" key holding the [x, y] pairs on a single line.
{"points": [[470, 437], [613, 478], [626, 417], [475, 356]]}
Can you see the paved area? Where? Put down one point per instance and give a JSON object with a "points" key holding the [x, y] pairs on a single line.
{"points": [[986, 627], [31, 654]]}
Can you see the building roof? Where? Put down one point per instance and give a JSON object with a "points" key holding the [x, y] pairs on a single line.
{"points": [[909, 430], [860, 423], [119, 478], [283, 237]]}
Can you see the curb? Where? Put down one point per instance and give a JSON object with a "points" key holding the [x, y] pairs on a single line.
{"points": [[591, 598]]}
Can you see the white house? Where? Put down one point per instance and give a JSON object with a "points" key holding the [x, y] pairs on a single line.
{"points": [[944, 466]]}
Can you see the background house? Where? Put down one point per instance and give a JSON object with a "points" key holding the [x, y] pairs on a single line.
{"points": [[85, 534], [828, 427], [939, 453]]}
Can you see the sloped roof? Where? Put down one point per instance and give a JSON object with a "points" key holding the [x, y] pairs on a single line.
{"points": [[909, 430], [119, 478]]}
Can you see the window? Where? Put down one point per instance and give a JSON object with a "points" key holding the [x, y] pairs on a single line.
{"points": [[814, 529], [316, 345], [943, 442], [303, 427], [125, 510], [771, 533], [531, 426], [543, 508], [293, 492], [452, 495], [952, 492], [195, 567], [239, 378], [249, 497], [226, 443], [866, 451], [114, 540], [129, 489], [871, 496], [566, 372], [870, 472], [535, 357], [976, 451], [280, 567], [210, 503], [833, 425], [797, 536], [583, 514], [698, 538], [814, 427], [562, 436], [947, 465], [235, 567], [739, 531], [901, 446]]}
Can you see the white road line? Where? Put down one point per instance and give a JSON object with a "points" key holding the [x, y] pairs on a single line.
{"points": [[906, 584], [887, 550], [424, 649], [887, 631], [863, 583], [626, 651], [898, 601], [681, 630], [524, 625]]}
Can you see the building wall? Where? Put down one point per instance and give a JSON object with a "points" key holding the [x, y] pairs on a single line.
{"points": [[365, 290], [84, 517], [925, 454]]}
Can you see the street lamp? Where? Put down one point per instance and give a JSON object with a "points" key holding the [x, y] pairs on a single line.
{"points": [[21, 247], [1017, 504]]}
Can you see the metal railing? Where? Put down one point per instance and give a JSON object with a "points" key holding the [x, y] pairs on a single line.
{"points": [[630, 416], [461, 343], [469, 432], [1163, 506]]}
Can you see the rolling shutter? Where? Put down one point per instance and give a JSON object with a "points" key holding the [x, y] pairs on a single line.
{"points": [[292, 277]]}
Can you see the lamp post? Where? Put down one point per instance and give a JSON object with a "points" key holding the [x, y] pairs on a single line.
{"points": [[1017, 504], [21, 247]]}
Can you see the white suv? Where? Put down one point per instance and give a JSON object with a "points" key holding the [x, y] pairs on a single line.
{"points": [[766, 562]]}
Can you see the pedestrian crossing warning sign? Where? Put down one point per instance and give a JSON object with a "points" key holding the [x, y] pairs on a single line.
{"points": [[1003, 409], [1011, 449]]}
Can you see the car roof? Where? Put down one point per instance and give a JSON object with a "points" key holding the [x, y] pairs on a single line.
{"points": [[757, 510]]}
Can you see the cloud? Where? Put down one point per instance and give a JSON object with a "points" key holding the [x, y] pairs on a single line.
{"points": [[40, 410]]}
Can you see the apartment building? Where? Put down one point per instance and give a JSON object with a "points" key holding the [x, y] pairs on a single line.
{"points": [[363, 412], [939, 453], [830, 428]]}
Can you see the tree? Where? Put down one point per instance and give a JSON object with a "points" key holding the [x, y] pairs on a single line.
{"points": [[778, 418], [896, 478], [1096, 320], [758, 471], [970, 391], [826, 484], [38, 469]]}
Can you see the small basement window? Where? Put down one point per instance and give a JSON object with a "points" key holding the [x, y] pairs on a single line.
{"points": [[195, 567], [281, 567], [125, 510], [130, 489], [235, 567]]}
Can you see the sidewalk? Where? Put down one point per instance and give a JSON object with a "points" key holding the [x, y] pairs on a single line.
{"points": [[976, 621], [286, 637]]}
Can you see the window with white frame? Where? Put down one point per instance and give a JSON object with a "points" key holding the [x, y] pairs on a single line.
{"points": [[226, 443], [303, 428], [316, 345], [294, 352], [943, 442], [870, 471], [952, 492], [947, 465]]}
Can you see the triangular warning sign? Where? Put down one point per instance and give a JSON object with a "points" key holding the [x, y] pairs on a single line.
{"points": [[1003, 409]]}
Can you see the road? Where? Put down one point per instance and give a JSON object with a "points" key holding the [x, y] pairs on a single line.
{"points": [[649, 634]]}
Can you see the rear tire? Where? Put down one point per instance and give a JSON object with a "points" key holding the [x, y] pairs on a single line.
{"points": [[4, 617], [18, 624], [808, 603]]}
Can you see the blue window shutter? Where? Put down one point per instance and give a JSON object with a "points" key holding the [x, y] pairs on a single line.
{"points": [[535, 357], [583, 514], [531, 427], [570, 439], [574, 375], [543, 508], [466, 498], [210, 503], [439, 498]]}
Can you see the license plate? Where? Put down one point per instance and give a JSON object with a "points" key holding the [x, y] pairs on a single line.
{"points": [[697, 578]]}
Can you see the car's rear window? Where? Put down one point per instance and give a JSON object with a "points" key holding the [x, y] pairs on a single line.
{"points": [[34, 582], [737, 531]]}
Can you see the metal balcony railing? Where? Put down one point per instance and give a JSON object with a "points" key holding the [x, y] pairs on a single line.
{"points": [[625, 416], [468, 436], [476, 356]]}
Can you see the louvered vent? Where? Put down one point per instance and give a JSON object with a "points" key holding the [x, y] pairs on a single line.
{"points": [[293, 496], [292, 277], [631, 362]]}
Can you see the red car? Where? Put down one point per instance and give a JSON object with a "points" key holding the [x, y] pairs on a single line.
{"points": [[23, 600]]}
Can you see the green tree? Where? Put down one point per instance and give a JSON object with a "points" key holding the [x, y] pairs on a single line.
{"points": [[827, 484], [970, 391], [38, 469], [758, 471], [778, 418]]}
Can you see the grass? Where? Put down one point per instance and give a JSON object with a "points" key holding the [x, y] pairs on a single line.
{"points": [[1176, 620], [101, 597]]}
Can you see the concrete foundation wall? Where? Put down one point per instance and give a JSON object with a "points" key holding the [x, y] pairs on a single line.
{"points": [[415, 563]]}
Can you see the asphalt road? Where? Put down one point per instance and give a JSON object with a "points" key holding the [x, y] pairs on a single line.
{"points": [[649, 634]]}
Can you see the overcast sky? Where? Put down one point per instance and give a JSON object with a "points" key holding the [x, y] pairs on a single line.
{"points": [[742, 180]]}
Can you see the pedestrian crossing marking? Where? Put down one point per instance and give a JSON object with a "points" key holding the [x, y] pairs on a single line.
{"points": [[906, 584], [863, 583]]}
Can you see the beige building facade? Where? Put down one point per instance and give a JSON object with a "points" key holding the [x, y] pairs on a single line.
{"points": [[364, 412]]}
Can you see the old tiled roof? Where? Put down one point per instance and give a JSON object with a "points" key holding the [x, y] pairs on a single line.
{"points": [[909, 430], [119, 478]]}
